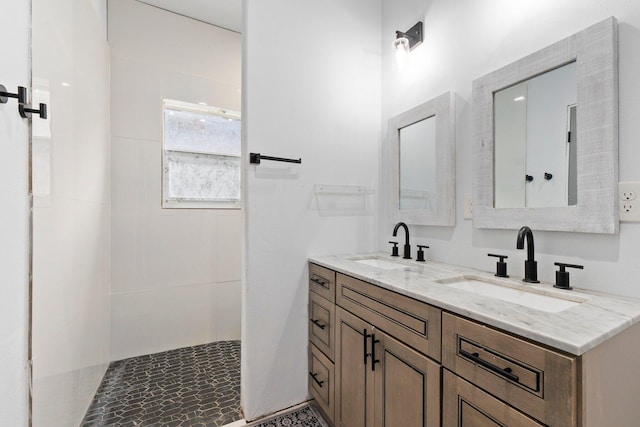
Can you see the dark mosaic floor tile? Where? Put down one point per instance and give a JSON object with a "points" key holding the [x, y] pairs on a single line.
{"points": [[193, 386]]}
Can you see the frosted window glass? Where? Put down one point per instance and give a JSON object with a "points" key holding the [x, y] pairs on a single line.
{"points": [[202, 177], [201, 156], [201, 132]]}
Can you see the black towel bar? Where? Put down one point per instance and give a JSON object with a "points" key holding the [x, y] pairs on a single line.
{"points": [[256, 157]]}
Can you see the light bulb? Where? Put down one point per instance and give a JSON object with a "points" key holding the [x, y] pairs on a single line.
{"points": [[401, 46]]}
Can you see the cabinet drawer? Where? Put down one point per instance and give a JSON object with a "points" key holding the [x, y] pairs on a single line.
{"points": [[322, 281], [321, 324], [464, 405], [410, 321], [321, 380], [537, 381]]}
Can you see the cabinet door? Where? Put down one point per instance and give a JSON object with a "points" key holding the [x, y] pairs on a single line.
{"points": [[354, 382], [465, 405], [407, 386]]}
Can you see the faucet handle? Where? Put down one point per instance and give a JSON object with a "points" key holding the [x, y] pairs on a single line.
{"points": [[562, 276], [501, 266], [394, 250], [420, 256]]}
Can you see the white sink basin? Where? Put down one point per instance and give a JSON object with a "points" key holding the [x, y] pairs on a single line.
{"points": [[380, 263], [528, 298]]}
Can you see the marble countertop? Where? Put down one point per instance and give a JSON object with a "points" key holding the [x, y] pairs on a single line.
{"points": [[595, 318]]}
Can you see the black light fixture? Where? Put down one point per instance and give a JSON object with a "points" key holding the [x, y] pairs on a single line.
{"points": [[405, 42]]}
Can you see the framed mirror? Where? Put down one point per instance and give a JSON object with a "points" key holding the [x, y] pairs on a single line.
{"points": [[420, 163], [545, 138]]}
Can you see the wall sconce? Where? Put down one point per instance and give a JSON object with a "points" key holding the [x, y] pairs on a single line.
{"points": [[405, 42]]}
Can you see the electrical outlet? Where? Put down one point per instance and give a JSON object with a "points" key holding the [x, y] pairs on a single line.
{"points": [[629, 201], [468, 206], [628, 190], [630, 211]]}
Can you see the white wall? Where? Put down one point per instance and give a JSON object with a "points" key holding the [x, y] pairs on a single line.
{"points": [[467, 39], [14, 218], [175, 272], [72, 207], [312, 90]]}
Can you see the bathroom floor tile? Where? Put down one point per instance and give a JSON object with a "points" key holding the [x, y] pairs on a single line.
{"points": [[194, 386]]}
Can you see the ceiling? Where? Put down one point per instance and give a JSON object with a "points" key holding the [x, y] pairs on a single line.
{"points": [[222, 13]]}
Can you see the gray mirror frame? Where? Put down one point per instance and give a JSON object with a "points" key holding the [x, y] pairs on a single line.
{"points": [[443, 108], [595, 51]]}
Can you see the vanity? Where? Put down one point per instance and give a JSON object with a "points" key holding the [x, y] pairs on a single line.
{"points": [[401, 343]]}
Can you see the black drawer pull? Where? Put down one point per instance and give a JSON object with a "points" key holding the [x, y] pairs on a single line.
{"points": [[506, 372], [314, 376], [321, 282], [317, 323]]}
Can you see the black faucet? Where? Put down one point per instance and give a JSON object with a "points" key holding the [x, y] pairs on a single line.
{"points": [[530, 265], [407, 246]]}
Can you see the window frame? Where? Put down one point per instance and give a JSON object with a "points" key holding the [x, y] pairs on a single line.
{"points": [[171, 203]]}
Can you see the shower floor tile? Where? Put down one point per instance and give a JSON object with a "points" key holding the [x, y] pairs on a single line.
{"points": [[194, 386]]}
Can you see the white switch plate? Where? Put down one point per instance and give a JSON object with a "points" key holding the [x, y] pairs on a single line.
{"points": [[629, 201], [468, 206]]}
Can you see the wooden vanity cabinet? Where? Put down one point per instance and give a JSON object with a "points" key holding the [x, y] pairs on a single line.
{"points": [[322, 281], [533, 379], [406, 386], [321, 380], [381, 381], [321, 324], [413, 322], [354, 379], [488, 377], [493, 378], [321, 311], [465, 405]]}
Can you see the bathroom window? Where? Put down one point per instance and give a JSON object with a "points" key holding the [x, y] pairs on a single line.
{"points": [[201, 156]]}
